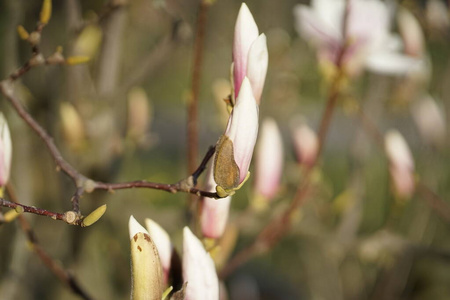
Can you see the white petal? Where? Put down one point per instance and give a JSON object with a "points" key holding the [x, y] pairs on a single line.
{"points": [[398, 151], [162, 241], [134, 227], [391, 63], [198, 269], [5, 150], [245, 33]]}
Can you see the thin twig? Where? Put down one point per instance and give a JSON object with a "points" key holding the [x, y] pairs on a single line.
{"points": [[192, 123], [56, 268]]}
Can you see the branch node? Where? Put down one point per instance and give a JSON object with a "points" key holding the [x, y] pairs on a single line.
{"points": [[70, 217]]}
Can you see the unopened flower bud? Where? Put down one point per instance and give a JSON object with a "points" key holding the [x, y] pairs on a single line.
{"points": [[5, 151], [214, 215], [23, 33], [429, 120], [147, 281], [245, 33], [411, 32], [72, 126], [306, 144], [401, 164], [76, 60], [46, 11], [88, 42], [139, 114], [269, 160], [94, 216], [234, 150], [198, 269]]}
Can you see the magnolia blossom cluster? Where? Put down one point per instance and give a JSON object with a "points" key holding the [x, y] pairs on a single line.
{"points": [[356, 34], [5, 151], [152, 250], [401, 164], [234, 150]]}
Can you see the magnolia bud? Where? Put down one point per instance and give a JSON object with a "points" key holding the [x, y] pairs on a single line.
{"points": [[198, 269], [306, 144], [214, 215], [234, 150], [269, 160], [5, 151], [146, 268], [401, 164]]}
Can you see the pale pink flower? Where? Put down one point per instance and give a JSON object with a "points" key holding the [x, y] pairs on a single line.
{"points": [[367, 36], [5, 151], [250, 55], [411, 32], [198, 270], [430, 120], [436, 15], [269, 159], [214, 215], [306, 144], [401, 163]]}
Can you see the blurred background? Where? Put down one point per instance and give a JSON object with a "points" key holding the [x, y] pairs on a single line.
{"points": [[122, 116]]}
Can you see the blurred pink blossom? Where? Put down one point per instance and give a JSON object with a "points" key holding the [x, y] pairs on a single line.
{"points": [[306, 144], [411, 33], [401, 164], [198, 270], [5, 151], [250, 56], [430, 120], [269, 159], [366, 36]]}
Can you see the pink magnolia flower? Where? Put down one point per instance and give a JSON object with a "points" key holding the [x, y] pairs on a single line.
{"points": [[234, 150], [5, 151], [198, 270], [269, 159], [306, 144], [367, 36], [250, 56], [401, 163], [214, 215]]}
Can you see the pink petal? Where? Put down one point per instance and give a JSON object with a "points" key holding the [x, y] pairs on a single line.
{"points": [[245, 33], [243, 127], [258, 60]]}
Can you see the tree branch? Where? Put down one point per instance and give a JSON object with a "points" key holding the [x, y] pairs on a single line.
{"points": [[63, 275]]}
